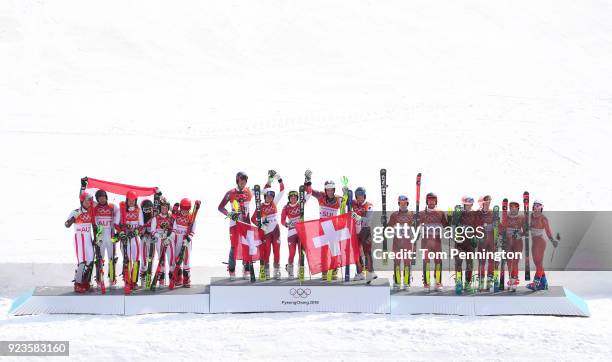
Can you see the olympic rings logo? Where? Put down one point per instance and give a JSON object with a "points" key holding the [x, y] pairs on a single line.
{"points": [[299, 292]]}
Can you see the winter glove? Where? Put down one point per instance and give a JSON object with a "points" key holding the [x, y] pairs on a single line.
{"points": [[355, 216], [84, 183], [233, 215], [555, 242], [345, 190], [307, 176], [278, 178], [290, 224], [122, 236]]}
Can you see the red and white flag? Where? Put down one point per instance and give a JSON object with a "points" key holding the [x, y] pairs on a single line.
{"points": [[248, 239], [329, 242]]}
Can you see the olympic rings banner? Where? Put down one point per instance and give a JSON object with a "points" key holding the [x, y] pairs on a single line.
{"points": [[239, 297]]}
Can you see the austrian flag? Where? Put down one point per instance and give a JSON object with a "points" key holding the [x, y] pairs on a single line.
{"points": [[329, 243], [248, 240]]}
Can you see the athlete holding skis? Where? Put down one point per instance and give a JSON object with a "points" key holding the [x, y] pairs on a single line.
{"points": [[161, 228], [362, 214], [486, 244], [83, 220], [402, 243], [105, 219], [515, 231], [539, 225], [146, 206], [242, 195], [290, 215], [271, 239], [129, 224], [183, 230], [433, 221], [329, 203], [468, 219]]}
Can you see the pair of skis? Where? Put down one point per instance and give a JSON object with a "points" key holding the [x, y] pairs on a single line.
{"points": [[181, 255]]}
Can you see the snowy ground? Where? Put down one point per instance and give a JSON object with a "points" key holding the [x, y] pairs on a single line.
{"points": [[304, 336], [481, 96]]}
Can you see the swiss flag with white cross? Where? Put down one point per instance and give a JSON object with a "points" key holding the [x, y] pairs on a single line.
{"points": [[249, 241], [329, 243]]}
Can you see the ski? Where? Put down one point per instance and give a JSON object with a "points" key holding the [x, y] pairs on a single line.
{"points": [[151, 241], [99, 260], [160, 263], [455, 222], [181, 255], [416, 215], [496, 241], [301, 198], [383, 194], [257, 195], [527, 241], [127, 280], [349, 209], [502, 272]]}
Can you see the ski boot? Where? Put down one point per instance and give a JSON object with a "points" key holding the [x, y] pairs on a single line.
{"points": [[489, 283], [301, 272], [162, 280], [335, 274], [467, 287], [267, 271], [143, 281], [359, 277], [397, 286], [481, 284], [277, 272], [246, 273], [289, 269], [539, 283], [439, 287], [426, 287], [179, 277], [371, 276], [262, 272], [512, 283], [458, 287], [543, 285], [186, 279]]}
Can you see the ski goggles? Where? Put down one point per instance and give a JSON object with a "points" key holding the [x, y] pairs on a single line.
{"points": [[292, 194], [147, 210], [402, 198], [467, 200], [360, 193]]}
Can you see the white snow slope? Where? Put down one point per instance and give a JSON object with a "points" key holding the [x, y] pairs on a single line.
{"points": [[481, 96]]}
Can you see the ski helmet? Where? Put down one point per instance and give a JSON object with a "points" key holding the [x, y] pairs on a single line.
{"points": [[484, 198], [99, 194], [538, 202], [185, 204], [402, 198], [267, 192], [467, 200], [164, 202], [146, 206], [84, 196], [330, 185], [360, 191], [431, 196], [241, 176], [131, 195], [514, 203], [291, 194]]}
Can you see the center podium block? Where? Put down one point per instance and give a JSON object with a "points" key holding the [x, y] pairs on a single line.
{"points": [[242, 296]]}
